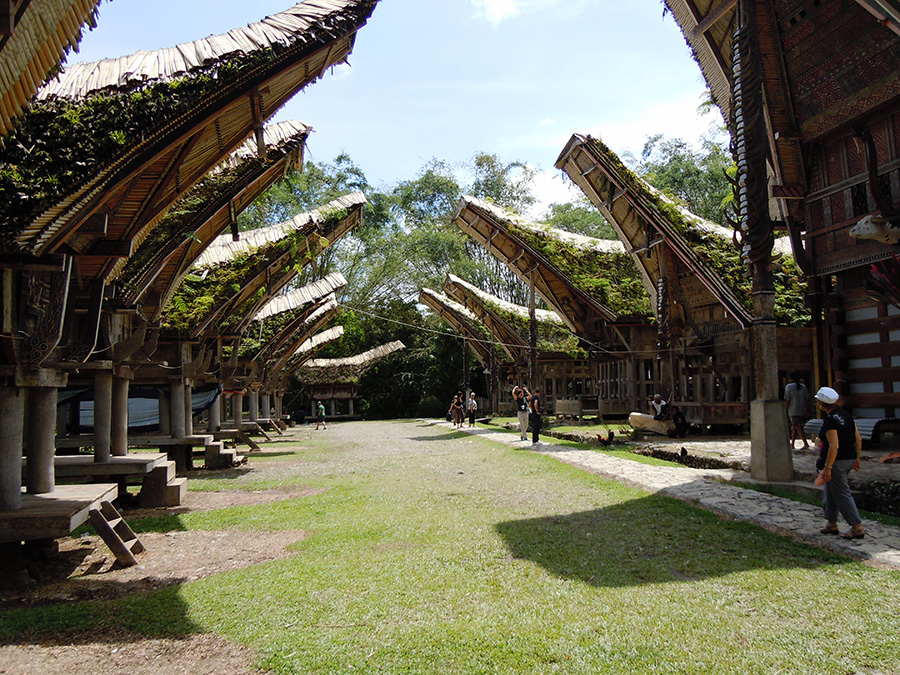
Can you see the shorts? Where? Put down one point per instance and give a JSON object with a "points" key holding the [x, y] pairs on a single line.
{"points": [[798, 420]]}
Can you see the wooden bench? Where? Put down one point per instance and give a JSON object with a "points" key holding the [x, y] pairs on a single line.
{"points": [[868, 426]]}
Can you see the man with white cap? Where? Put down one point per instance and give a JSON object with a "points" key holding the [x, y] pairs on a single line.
{"points": [[840, 451]]}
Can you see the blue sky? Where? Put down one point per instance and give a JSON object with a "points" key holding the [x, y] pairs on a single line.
{"points": [[449, 78]]}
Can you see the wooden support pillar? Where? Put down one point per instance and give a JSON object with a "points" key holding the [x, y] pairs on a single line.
{"points": [[266, 403], [532, 333], [237, 407], [103, 388], [165, 426], [188, 409], [176, 409], [215, 414], [254, 405], [331, 407], [350, 401], [279, 401], [40, 440], [62, 418], [12, 412], [119, 417]]}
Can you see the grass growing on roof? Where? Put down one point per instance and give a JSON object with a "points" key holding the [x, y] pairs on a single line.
{"points": [[718, 252], [610, 278], [445, 553]]}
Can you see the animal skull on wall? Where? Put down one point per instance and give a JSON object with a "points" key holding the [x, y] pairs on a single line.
{"points": [[877, 228]]}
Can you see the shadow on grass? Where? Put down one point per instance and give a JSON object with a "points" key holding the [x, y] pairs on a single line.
{"points": [[651, 540], [114, 608], [440, 437]]}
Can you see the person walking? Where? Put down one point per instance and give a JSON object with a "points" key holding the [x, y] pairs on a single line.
{"points": [[521, 403], [536, 409], [320, 416], [839, 454], [472, 407], [456, 410], [796, 401]]}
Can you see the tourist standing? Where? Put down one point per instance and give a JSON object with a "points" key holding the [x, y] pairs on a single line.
{"points": [[796, 401], [472, 406], [320, 416], [840, 451], [536, 409], [521, 403]]}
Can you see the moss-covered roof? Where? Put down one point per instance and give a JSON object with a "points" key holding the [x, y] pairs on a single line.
{"points": [[464, 322], [603, 271], [709, 247], [346, 370], [552, 333], [224, 271], [100, 119]]}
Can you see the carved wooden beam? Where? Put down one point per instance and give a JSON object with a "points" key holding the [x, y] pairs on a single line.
{"points": [[713, 17], [46, 296], [122, 350]]}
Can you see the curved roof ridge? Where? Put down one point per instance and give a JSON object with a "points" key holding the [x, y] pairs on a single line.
{"points": [[313, 292], [140, 68], [503, 305], [580, 240], [224, 247], [359, 359]]}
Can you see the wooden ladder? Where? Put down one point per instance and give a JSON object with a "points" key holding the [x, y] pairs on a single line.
{"points": [[113, 529]]}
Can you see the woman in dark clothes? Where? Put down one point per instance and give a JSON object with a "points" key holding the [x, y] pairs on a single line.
{"points": [[839, 454]]}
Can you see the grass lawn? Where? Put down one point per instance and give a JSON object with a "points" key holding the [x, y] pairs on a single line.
{"points": [[438, 552]]}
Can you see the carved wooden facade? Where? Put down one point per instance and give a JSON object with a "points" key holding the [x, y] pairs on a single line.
{"points": [[830, 87]]}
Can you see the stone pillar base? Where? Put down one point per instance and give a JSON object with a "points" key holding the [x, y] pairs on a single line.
{"points": [[770, 451]]}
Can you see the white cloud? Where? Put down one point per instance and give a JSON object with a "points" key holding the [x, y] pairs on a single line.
{"points": [[551, 187], [496, 11], [547, 121], [672, 119]]}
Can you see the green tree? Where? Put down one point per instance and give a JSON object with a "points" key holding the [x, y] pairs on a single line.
{"points": [[696, 177], [579, 217]]}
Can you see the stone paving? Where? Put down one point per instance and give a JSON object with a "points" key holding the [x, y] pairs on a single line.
{"points": [[705, 488]]}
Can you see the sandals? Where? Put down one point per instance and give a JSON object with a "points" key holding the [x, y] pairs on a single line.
{"points": [[850, 534], [830, 530]]}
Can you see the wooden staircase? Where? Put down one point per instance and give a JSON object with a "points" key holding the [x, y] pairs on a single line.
{"points": [[113, 529], [217, 456], [161, 487]]}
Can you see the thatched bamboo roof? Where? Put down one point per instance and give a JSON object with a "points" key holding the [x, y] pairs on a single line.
{"points": [[589, 282], [464, 322], [510, 323], [348, 369], [703, 268], [225, 248], [140, 131], [315, 342], [708, 27], [282, 354], [232, 281], [158, 266], [44, 32], [295, 299]]}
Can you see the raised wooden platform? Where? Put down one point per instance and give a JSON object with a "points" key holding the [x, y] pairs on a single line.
{"points": [[84, 466], [54, 514], [137, 441]]}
